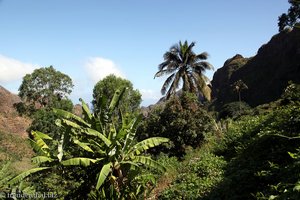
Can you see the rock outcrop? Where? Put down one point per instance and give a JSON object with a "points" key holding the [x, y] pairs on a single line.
{"points": [[266, 74]]}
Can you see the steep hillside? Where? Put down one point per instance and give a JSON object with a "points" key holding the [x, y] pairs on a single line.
{"points": [[266, 74], [10, 121], [15, 151]]}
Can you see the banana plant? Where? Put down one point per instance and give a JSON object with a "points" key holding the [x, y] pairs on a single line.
{"points": [[105, 148]]}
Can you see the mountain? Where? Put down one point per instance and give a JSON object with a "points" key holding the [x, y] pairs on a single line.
{"points": [[266, 74], [10, 121], [15, 151]]}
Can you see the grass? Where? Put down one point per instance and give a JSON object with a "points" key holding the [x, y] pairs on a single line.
{"points": [[13, 147], [15, 155]]}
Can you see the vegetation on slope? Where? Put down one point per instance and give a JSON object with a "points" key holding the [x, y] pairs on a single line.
{"points": [[257, 157], [244, 153], [15, 153]]}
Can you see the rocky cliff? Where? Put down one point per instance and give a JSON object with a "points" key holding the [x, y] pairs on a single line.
{"points": [[266, 74]]}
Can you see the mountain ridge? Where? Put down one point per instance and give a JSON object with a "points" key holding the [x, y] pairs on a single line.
{"points": [[266, 74]]}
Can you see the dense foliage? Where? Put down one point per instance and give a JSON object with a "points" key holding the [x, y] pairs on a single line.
{"points": [[105, 88], [195, 177], [43, 88], [242, 153], [234, 110], [290, 18], [291, 94], [93, 157], [257, 157], [44, 119], [258, 150], [182, 119]]}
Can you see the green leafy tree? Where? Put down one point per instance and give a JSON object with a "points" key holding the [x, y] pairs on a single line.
{"points": [[44, 119], [44, 87], [234, 110], [290, 18], [103, 160], [131, 99], [182, 120], [183, 64]]}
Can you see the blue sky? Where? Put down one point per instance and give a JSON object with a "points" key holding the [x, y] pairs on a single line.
{"points": [[90, 39]]}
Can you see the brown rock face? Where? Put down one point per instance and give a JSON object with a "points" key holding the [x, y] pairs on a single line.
{"points": [[266, 74]]}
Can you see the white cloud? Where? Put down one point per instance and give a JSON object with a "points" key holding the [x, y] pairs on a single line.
{"points": [[148, 94], [98, 68], [150, 97], [12, 70]]}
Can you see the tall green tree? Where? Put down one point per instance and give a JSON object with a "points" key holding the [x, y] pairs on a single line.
{"points": [[184, 65], [105, 161], [290, 18], [105, 88], [44, 87]]}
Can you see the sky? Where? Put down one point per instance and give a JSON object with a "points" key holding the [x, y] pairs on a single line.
{"points": [[88, 40]]}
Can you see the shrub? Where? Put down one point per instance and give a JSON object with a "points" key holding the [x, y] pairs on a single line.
{"points": [[259, 165], [291, 94], [182, 120], [234, 110], [196, 178], [44, 120], [23, 109]]}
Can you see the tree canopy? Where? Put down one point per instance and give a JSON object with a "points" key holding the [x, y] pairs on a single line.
{"points": [[44, 87], [186, 66], [106, 87], [290, 18], [182, 120]]}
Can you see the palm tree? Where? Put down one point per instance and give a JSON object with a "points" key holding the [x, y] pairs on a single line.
{"points": [[186, 66], [238, 86]]}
